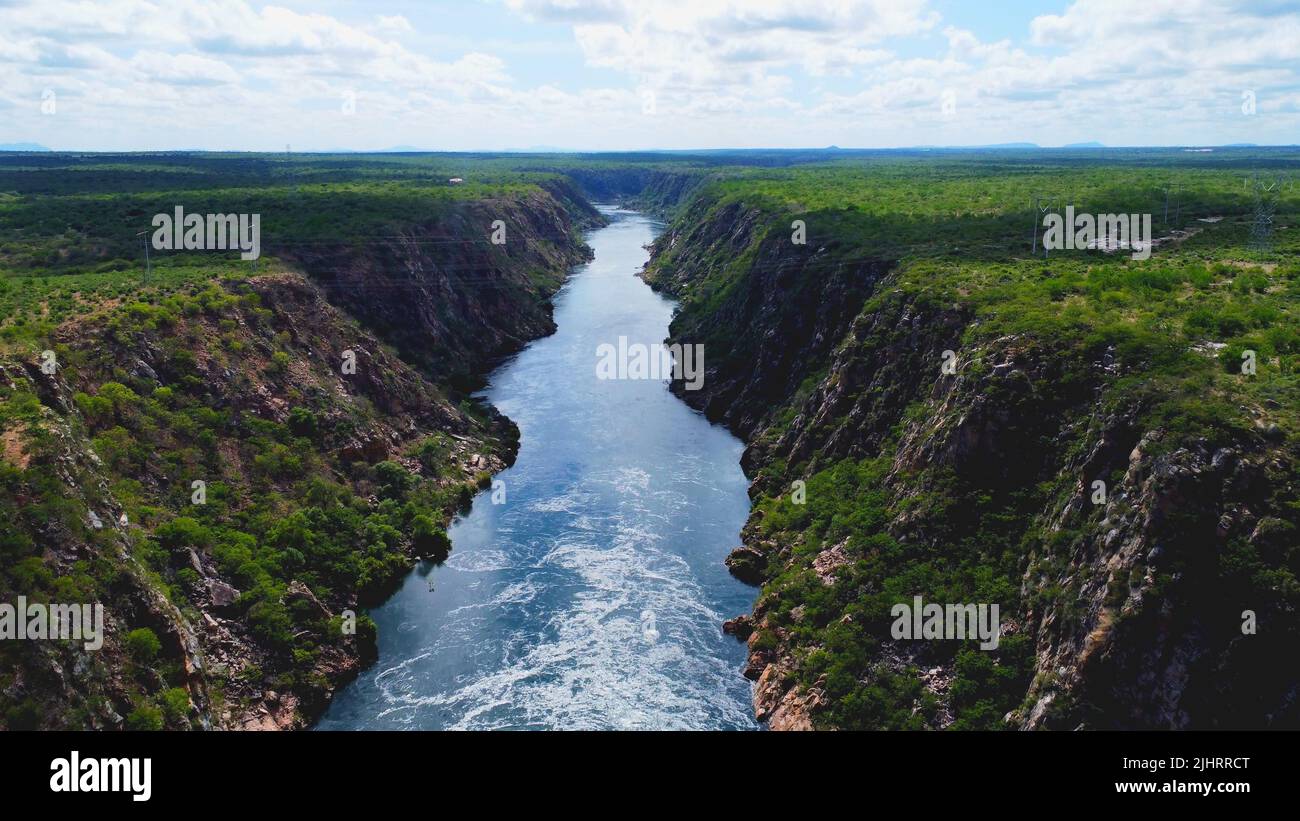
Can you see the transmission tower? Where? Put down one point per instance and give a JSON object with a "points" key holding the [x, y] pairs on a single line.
{"points": [[1266, 190], [1042, 204], [148, 265], [1171, 192]]}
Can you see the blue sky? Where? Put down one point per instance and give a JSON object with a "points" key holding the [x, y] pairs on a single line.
{"points": [[638, 74]]}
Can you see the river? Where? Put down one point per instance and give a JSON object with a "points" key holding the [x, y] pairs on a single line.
{"points": [[592, 595]]}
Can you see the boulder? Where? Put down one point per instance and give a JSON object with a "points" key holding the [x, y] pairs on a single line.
{"points": [[747, 564], [740, 627], [222, 594], [299, 592]]}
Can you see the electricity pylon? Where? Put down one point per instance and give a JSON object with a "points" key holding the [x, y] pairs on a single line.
{"points": [[1266, 189], [148, 266]]}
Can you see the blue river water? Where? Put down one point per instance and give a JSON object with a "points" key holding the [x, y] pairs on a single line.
{"points": [[592, 596]]}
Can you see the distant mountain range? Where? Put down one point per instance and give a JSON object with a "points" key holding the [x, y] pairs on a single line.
{"points": [[22, 147]]}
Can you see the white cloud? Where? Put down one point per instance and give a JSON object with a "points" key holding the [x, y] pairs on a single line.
{"points": [[726, 44], [234, 74], [182, 69], [394, 24]]}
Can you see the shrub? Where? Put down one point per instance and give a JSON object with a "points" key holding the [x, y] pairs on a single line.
{"points": [[145, 717], [175, 704], [143, 644], [270, 622], [279, 362], [302, 422], [25, 715], [433, 455], [183, 532]]}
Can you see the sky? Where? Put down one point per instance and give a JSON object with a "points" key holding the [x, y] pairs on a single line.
{"points": [[587, 75]]}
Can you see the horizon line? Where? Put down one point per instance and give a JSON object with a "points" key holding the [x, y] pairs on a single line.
{"points": [[1012, 146]]}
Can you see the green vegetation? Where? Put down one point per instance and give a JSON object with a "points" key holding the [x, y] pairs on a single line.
{"points": [[957, 232], [143, 645], [239, 393], [82, 214], [1159, 342], [237, 398], [73, 228]]}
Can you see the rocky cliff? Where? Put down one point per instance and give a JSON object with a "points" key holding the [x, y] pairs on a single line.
{"points": [[468, 286], [236, 470], [880, 474]]}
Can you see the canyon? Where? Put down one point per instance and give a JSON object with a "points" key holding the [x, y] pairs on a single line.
{"points": [[970, 483]]}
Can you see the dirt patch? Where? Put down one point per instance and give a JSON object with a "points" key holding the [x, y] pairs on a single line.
{"points": [[231, 463], [301, 373], [14, 451]]}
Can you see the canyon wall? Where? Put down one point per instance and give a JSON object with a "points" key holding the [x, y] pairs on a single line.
{"points": [[974, 485], [320, 406]]}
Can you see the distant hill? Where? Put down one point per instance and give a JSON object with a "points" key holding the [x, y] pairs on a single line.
{"points": [[22, 147], [396, 149], [541, 149], [966, 147]]}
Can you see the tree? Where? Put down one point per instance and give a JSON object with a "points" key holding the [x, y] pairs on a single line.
{"points": [[428, 538], [121, 397], [183, 532], [393, 479]]}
